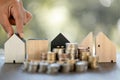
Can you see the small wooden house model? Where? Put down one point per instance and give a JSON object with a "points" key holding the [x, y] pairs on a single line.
{"points": [[14, 50]]}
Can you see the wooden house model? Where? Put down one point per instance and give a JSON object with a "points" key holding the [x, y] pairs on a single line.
{"points": [[14, 50], [35, 48], [105, 49], [88, 42]]}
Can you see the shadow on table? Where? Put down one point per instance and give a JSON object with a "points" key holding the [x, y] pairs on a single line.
{"points": [[104, 68]]}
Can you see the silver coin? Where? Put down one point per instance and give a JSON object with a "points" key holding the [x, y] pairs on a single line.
{"points": [[43, 67], [66, 67], [33, 66], [81, 66], [25, 65], [53, 68]]}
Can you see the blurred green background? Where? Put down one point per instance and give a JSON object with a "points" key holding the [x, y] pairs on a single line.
{"points": [[74, 18]]}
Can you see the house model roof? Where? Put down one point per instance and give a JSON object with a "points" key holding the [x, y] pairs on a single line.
{"points": [[59, 40], [17, 37]]}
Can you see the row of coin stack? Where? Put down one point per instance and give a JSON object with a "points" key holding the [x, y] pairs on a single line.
{"points": [[45, 67], [71, 59]]}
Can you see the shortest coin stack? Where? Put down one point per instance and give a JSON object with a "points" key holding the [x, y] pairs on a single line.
{"points": [[93, 62], [81, 66], [43, 67], [44, 56], [53, 68], [33, 66]]}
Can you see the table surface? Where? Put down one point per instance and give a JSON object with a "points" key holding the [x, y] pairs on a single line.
{"points": [[106, 71]]}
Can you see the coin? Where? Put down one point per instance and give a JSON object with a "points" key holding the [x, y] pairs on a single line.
{"points": [[66, 67], [33, 66], [81, 66], [25, 65], [43, 67], [93, 62], [53, 68]]}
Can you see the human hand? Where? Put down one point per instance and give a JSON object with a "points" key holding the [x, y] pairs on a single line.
{"points": [[12, 12]]}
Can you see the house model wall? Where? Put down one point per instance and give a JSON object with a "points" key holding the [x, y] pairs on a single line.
{"points": [[35, 48], [14, 50], [105, 49], [88, 42]]}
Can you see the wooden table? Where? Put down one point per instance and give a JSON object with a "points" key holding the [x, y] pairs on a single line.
{"points": [[107, 71]]}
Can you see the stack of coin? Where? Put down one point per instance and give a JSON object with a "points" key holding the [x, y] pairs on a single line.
{"points": [[53, 68], [43, 67], [65, 67], [44, 56], [72, 65], [63, 57], [71, 48], [84, 56], [80, 50], [93, 62], [25, 65], [81, 66], [51, 57], [33, 66], [83, 53], [58, 51]]}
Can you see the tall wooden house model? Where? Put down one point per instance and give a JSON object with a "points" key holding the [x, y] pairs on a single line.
{"points": [[105, 48]]}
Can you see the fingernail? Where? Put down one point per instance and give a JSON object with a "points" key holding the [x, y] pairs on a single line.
{"points": [[21, 35]]}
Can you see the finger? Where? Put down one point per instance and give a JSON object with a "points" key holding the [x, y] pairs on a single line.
{"points": [[18, 16], [27, 17], [7, 26]]}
